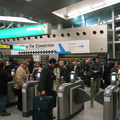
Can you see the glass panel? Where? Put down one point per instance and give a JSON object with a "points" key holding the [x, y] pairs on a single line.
{"points": [[117, 24], [117, 51], [106, 19], [78, 21], [79, 24], [92, 21], [110, 50]]}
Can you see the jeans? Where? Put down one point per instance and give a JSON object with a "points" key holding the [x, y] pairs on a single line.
{"points": [[3, 101]]}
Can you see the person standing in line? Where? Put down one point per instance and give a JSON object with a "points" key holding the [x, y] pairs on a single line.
{"points": [[76, 69], [3, 90], [20, 79], [69, 66], [96, 68], [45, 85], [62, 73], [35, 70], [31, 65]]}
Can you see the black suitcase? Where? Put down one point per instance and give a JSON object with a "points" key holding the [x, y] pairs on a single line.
{"points": [[42, 107]]}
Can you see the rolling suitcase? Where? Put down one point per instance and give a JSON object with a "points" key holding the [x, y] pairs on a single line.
{"points": [[42, 107]]}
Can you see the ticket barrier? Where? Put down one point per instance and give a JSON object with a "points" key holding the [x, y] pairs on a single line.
{"points": [[110, 99], [71, 98], [28, 92], [11, 97]]}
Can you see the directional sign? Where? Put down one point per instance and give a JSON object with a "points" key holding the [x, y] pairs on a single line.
{"points": [[5, 46], [26, 31]]}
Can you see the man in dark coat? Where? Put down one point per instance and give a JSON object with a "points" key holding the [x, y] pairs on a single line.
{"points": [[3, 90], [45, 85]]}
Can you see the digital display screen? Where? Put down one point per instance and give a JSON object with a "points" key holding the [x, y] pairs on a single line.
{"points": [[113, 78], [72, 76], [38, 74]]}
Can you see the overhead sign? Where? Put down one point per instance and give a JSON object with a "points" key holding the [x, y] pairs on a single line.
{"points": [[18, 47], [13, 47], [33, 30], [5, 46], [61, 47]]}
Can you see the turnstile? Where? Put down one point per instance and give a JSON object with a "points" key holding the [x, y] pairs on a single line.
{"points": [[11, 97], [70, 100], [28, 92], [110, 99], [111, 109]]}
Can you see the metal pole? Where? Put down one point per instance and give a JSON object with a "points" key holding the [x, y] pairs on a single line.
{"points": [[92, 98]]}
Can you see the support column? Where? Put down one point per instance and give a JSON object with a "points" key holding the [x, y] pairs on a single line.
{"points": [[113, 29]]}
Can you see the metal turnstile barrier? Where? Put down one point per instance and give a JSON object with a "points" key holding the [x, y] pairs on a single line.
{"points": [[111, 109], [11, 97], [28, 92], [71, 98], [110, 99]]}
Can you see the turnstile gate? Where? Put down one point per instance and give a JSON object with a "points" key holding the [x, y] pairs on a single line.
{"points": [[71, 98], [11, 97], [110, 98], [28, 92]]}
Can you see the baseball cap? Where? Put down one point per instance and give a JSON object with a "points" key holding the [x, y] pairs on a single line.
{"points": [[25, 63]]}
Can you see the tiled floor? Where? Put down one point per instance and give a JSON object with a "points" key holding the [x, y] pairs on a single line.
{"points": [[88, 113]]}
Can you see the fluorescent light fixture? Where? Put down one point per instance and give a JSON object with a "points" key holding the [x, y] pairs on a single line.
{"points": [[109, 20], [104, 22], [16, 19], [98, 5], [117, 18], [28, 0], [118, 28]]}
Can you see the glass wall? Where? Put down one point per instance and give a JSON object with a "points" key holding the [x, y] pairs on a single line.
{"points": [[92, 21], [106, 19], [117, 51], [117, 25]]}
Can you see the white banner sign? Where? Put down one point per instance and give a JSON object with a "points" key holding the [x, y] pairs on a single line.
{"points": [[63, 47]]}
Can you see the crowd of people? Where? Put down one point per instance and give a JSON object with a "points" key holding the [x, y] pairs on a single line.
{"points": [[58, 71]]}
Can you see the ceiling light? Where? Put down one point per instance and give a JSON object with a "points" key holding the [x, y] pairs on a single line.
{"points": [[28, 0], [16, 19], [109, 21], [104, 22]]}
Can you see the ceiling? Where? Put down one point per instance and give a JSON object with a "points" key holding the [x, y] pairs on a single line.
{"points": [[41, 10], [38, 9]]}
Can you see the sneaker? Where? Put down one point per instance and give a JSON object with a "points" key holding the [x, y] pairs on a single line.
{"points": [[5, 114]]}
